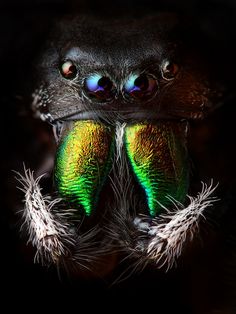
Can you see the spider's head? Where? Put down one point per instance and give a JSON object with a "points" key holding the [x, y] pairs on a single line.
{"points": [[119, 94]]}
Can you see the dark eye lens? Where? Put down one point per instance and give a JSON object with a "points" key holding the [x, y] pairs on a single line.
{"points": [[140, 87], [99, 87], [169, 70], [68, 70]]}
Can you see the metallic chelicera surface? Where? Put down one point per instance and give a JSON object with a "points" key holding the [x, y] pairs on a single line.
{"points": [[158, 157], [82, 163]]}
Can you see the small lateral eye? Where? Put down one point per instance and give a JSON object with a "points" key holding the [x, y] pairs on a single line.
{"points": [[140, 87], [99, 87], [169, 70], [68, 70]]}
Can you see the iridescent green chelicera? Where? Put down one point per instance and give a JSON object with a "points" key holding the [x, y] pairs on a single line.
{"points": [[83, 162], [158, 157]]}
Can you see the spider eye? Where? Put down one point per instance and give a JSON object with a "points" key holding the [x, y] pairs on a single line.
{"points": [[169, 70], [99, 87], [68, 70], [140, 87]]}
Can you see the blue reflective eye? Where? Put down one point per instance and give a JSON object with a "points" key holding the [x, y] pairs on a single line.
{"points": [[92, 83], [99, 87], [141, 87], [130, 85]]}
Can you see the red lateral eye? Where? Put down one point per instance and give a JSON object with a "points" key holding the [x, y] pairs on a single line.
{"points": [[169, 70], [68, 70]]}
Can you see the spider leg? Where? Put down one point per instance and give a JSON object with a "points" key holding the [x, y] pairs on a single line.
{"points": [[48, 230]]}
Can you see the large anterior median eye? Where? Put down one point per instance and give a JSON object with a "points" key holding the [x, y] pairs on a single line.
{"points": [[140, 87], [99, 87]]}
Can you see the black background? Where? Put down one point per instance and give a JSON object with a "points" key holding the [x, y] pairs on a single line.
{"points": [[23, 27]]}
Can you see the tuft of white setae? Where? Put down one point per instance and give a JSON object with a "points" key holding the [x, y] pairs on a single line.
{"points": [[172, 230], [47, 231]]}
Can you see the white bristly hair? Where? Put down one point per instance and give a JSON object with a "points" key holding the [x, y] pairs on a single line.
{"points": [[169, 237], [120, 129], [47, 232], [121, 183]]}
